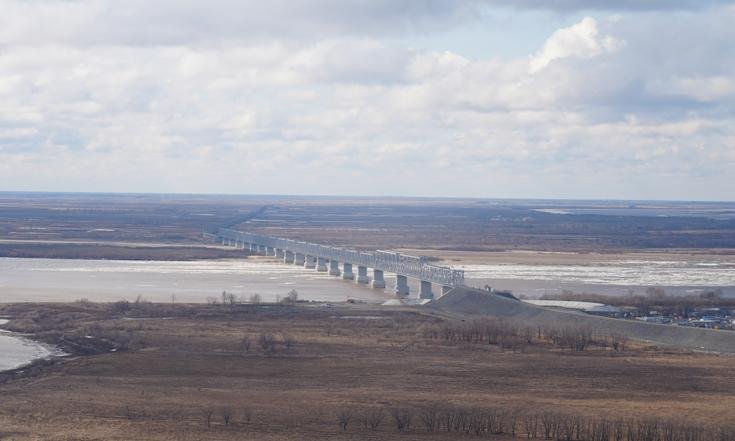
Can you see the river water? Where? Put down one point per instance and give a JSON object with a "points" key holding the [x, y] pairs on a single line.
{"points": [[16, 351], [44, 280], [679, 277], [58, 280], [63, 280]]}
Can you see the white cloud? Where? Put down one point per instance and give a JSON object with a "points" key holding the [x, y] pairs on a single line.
{"points": [[704, 89], [581, 40], [182, 107]]}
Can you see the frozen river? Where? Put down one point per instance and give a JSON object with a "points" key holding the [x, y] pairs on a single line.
{"points": [[44, 280], [608, 277]]}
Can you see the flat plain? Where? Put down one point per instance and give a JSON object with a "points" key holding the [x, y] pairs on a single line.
{"points": [[177, 378], [311, 371]]}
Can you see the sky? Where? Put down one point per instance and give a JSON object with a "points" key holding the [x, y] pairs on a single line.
{"points": [[627, 99]]}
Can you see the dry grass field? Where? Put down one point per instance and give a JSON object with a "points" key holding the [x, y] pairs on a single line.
{"points": [[279, 372], [425, 224]]}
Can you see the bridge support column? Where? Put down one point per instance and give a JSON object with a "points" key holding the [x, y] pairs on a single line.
{"points": [[446, 289], [378, 279], [321, 265], [362, 276], [425, 290], [298, 259], [347, 271], [309, 262], [224, 241], [333, 268], [401, 288], [288, 256]]}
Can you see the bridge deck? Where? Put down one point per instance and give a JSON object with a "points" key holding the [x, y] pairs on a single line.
{"points": [[393, 262]]}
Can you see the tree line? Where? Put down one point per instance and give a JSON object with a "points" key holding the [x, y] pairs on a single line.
{"points": [[517, 423], [511, 335]]}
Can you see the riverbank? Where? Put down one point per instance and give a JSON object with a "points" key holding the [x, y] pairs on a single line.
{"points": [[117, 251], [19, 352], [290, 372]]}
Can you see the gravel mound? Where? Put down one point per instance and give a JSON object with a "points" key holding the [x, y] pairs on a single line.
{"points": [[472, 302]]}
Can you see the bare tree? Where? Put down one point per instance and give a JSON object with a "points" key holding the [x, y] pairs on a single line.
{"points": [[293, 295], [344, 417], [208, 414], [226, 413], [256, 298], [402, 417], [530, 425], [375, 418], [229, 298], [372, 418], [290, 298], [430, 418]]}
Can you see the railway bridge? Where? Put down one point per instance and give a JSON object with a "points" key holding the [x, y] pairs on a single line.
{"points": [[342, 262]]}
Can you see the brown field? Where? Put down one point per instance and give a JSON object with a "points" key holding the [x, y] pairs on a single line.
{"points": [[429, 225], [168, 375]]}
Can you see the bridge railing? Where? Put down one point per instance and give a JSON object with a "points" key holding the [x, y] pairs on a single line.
{"points": [[389, 261]]}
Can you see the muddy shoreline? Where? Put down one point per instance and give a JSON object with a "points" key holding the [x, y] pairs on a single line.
{"points": [[47, 352]]}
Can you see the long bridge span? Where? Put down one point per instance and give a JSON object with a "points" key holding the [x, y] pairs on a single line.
{"points": [[325, 258]]}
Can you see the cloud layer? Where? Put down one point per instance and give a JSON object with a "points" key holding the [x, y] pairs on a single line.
{"points": [[331, 97]]}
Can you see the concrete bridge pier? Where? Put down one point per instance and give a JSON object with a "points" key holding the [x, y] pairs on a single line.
{"points": [[347, 271], [333, 268], [321, 265], [446, 289], [401, 288], [378, 279], [309, 262], [425, 290], [288, 256], [362, 276], [261, 249], [298, 259]]}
